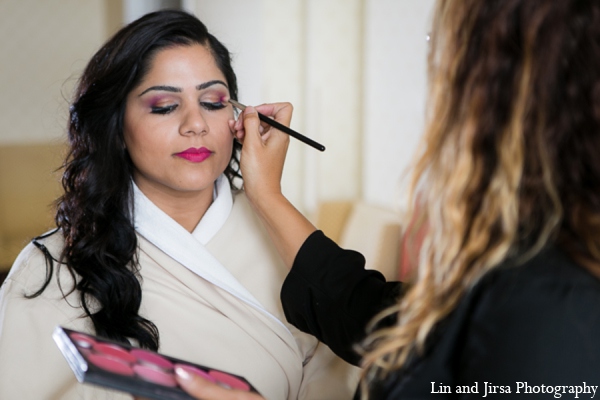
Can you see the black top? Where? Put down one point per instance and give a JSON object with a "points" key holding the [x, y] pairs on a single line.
{"points": [[521, 330]]}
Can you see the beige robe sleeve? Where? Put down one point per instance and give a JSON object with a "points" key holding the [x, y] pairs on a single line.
{"points": [[245, 249], [31, 366]]}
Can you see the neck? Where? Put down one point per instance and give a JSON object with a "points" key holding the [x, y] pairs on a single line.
{"points": [[185, 207]]}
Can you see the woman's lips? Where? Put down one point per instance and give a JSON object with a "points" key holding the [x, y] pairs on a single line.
{"points": [[195, 155]]}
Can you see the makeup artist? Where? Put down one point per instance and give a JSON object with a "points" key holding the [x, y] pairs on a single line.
{"points": [[507, 287]]}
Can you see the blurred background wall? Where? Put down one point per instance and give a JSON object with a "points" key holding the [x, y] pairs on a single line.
{"points": [[354, 69]]}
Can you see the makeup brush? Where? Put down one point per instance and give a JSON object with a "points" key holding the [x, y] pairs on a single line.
{"points": [[282, 128]]}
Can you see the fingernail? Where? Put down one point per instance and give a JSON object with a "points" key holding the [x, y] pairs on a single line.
{"points": [[182, 373]]}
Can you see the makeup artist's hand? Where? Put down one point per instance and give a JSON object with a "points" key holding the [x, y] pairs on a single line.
{"points": [[263, 154], [203, 389], [264, 149]]}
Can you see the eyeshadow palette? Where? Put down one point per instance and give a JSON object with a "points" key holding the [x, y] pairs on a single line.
{"points": [[133, 370]]}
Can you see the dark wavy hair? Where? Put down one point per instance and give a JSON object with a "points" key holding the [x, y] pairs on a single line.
{"points": [[509, 162], [95, 212]]}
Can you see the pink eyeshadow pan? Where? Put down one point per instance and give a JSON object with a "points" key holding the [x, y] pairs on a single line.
{"points": [[155, 376], [83, 340], [110, 364], [151, 358], [197, 371], [115, 352], [231, 381]]}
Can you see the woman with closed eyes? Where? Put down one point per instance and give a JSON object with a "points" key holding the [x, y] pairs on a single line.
{"points": [[155, 244]]}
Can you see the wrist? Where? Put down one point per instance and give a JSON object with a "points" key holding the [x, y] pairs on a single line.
{"points": [[265, 200]]}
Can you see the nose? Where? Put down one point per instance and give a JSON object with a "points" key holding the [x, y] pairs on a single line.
{"points": [[193, 123]]}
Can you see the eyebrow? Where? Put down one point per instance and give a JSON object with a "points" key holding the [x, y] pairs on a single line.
{"points": [[174, 89]]}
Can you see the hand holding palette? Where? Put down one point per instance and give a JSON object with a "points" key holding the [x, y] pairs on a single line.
{"points": [[137, 371]]}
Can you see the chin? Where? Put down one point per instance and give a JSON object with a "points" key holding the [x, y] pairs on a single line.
{"points": [[194, 186]]}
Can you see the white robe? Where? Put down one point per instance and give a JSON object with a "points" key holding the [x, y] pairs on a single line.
{"points": [[197, 320]]}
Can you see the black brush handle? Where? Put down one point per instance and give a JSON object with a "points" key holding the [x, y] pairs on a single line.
{"points": [[291, 132]]}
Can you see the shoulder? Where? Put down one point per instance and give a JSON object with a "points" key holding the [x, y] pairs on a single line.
{"points": [[242, 217], [29, 268], [28, 275], [534, 320], [549, 279], [244, 230], [240, 199], [255, 261]]}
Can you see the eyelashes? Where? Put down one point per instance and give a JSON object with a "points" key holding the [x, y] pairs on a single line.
{"points": [[213, 106], [170, 108], [163, 110]]}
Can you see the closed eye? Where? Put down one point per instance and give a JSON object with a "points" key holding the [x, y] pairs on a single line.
{"points": [[212, 106], [163, 110]]}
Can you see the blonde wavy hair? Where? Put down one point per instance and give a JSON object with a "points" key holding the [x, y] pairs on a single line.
{"points": [[510, 159]]}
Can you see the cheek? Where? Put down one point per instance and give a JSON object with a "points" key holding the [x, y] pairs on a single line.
{"points": [[223, 135], [224, 147], [143, 133], [142, 145], [128, 139], [133, 141], [132, 129]]}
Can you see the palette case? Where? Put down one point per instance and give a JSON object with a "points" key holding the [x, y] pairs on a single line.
{"points": [[140, 372]]}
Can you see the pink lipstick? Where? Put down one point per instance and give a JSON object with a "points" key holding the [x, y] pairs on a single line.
{"points": [[195, 155]]}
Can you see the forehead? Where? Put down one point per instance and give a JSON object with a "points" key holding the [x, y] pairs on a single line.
{"points": [[193, 64]]}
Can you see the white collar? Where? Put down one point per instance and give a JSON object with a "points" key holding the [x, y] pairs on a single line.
{"points": [[217, 213], [174, 240]]}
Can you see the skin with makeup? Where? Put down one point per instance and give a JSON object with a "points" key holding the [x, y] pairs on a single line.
{"points": [[176, 132]]}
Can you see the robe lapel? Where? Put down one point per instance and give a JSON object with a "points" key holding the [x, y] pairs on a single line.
{"points": [[166, 234], [265, 332]]}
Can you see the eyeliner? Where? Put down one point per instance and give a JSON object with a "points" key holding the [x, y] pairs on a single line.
{"points": [[282, 128]]}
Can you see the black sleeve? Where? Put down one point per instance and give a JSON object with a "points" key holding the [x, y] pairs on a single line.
{"points": [[531, 325], [329, 294]]}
